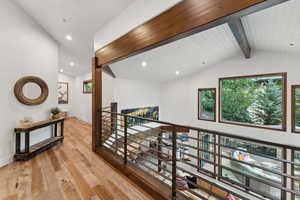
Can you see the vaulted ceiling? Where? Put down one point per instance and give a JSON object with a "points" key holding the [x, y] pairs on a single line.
{"points": [[274, 29], [81, 19]]}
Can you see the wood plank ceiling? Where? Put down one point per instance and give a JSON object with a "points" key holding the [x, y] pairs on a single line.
{"points": [[186, 18], [272, 29]]}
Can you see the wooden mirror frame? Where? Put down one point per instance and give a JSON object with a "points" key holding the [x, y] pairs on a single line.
{"points": [[31, 79]]}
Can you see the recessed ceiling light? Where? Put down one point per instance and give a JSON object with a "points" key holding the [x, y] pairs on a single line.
{"points": [[61, 70], [144, 63], [69, 37], [72, 64], [177, 72], [203, 62]]}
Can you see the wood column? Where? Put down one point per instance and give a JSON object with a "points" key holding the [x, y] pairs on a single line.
{"points": [[97, 104]]}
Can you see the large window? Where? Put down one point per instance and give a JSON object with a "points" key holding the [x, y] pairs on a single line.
{"points": [[207, 104], [296, 108], [258, 100]]}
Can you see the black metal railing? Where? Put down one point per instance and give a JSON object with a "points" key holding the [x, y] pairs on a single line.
{"points": [[196, 162]]}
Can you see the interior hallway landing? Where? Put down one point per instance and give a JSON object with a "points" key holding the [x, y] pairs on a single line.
{"points": [[67, 171]]}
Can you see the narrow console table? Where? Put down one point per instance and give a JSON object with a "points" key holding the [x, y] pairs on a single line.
{"points": [[31, 151]]}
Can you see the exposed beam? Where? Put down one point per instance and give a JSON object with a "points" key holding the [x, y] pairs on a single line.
{"points": [[184, 19], [239, 33], [106, 69]]}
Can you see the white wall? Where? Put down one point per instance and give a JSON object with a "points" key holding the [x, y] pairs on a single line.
{"points": [[179, 97], [82, 104], [26, 49], [71, 81], [127, 93], [135, 94]]}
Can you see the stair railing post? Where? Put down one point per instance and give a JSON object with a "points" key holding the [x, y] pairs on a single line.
{"points": [[113, 122], [174, 160], [125, 140]]}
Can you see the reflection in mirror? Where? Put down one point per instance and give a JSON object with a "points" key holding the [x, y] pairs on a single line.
{"points": [[32, 90]]}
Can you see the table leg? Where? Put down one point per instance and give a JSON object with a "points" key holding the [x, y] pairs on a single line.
{"points": [[27, 141], [18, 143], [55, 130], [62, 129]]}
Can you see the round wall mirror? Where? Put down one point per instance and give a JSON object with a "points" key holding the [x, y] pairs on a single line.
{"points": [[31, 90]]}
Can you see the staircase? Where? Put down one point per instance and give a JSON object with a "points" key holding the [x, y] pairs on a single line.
{"points": [[136, 139]]}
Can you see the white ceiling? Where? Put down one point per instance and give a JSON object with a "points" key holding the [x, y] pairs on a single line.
{"points": [[186, 55], [273, 29], [83, 19]]}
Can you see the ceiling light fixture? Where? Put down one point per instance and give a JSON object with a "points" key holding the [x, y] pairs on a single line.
{"points": [[69, 37], [72, 64], [292, 44], [144, 64], [177, 72], [61, 70]]}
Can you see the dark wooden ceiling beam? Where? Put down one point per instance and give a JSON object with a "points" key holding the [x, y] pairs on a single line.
{"points": [[239, 33], [184, 19], [106, 69]]}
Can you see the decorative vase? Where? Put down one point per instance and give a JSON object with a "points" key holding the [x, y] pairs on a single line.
{"points": [[57, 116]]}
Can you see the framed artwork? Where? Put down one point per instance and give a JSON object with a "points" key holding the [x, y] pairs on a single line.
{"points": [[207, 104], [146, 112], [88, 87], [63, 92]]}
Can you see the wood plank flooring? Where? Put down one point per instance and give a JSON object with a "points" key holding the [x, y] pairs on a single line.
{"points": [[68, 171]]}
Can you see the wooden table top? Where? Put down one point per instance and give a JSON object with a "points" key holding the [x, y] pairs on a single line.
{"points": [[37, 125]]}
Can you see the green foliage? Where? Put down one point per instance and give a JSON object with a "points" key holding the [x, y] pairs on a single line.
{"points": [[237, 97], [267, 108], [254, 101], [55, 111], [297, 155], [89, 87], [208, 101], [298, 107]]}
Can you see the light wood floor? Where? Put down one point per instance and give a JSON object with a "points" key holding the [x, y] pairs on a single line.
{"points": [[67, 171]]}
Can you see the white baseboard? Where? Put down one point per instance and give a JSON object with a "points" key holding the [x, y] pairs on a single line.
{"points": [[5, 161]]}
